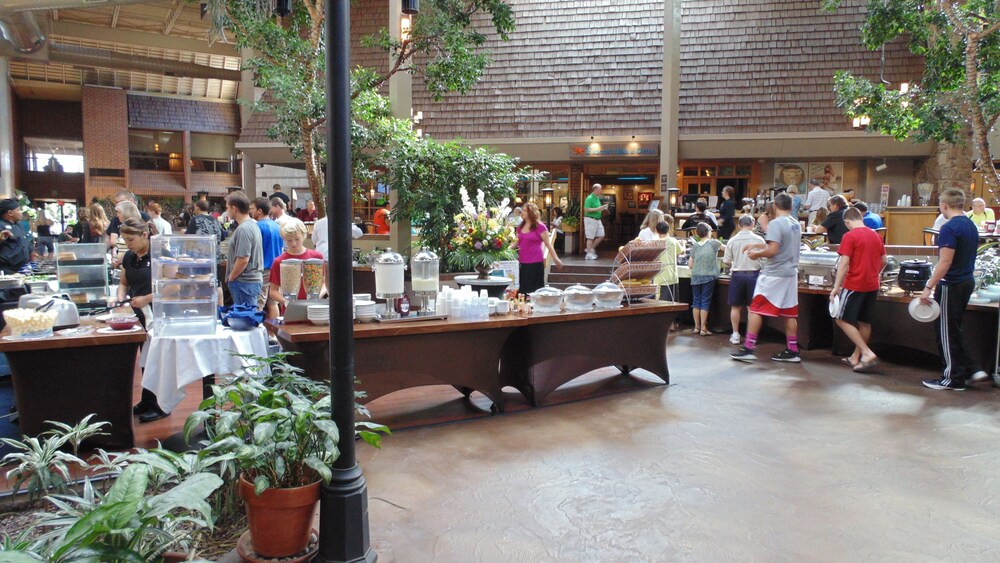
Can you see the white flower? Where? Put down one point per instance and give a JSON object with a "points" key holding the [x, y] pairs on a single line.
{"points": [[481, 201], [467, 207]]}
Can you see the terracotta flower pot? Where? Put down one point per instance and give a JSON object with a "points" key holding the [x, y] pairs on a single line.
{"points": [[280, 519]]}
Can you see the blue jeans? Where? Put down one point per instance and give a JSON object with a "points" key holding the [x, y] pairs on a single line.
{"points": [[244, 293], [701, 295]]}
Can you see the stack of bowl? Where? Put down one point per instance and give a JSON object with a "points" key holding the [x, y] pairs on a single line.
{"points": [[318, 314], [364, 311]]}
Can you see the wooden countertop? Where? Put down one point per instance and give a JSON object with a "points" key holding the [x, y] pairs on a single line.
{"points": [[56, 341], [302, 332]]}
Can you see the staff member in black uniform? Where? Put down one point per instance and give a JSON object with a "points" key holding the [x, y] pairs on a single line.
{"points": [[137, 283], [15, 243]]}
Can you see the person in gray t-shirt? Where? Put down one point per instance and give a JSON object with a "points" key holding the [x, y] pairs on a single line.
{"points": [[777, 291], [786, 232], [246, 258]]}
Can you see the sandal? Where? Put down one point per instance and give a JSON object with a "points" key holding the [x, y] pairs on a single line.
{"points": [[706, 333], [847, 362], [866, 367]]}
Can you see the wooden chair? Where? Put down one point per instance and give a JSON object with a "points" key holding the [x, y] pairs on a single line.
{"points": [[930, 237], [882, 232]]}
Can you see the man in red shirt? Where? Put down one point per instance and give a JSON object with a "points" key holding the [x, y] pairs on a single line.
{"points": [[381, 219], [862, 257]]}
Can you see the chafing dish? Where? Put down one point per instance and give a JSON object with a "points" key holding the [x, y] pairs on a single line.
{"points": [[818, 268]]}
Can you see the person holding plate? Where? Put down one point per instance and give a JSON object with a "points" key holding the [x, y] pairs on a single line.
{"points": [[951, 286]]}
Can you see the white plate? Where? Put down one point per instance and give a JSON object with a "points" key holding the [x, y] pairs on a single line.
{"points": [[924, 313], [109, 330], [835, 306], [320, 322], [104, 318]]}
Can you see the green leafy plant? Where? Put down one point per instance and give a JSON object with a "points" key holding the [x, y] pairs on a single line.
{"points": [[273, 422], [958, 92], [129, 523], [482, 235], [290, 62], [41, 461], [571, 217]]}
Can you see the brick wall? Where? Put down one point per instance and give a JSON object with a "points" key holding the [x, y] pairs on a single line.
{"points": [[587, 67], [105, 138], [763, 66], [153, 112]]}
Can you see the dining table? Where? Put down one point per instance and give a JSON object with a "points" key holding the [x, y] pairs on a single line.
{"points": [[78, 371], [533, 353]]}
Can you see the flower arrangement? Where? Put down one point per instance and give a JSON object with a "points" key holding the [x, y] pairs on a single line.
{"points": [[988, 264], [482, 235]]}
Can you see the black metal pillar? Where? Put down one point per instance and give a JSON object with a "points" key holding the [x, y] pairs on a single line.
{"points": [[343, 524]]}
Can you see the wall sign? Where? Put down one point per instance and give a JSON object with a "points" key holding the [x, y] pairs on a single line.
{"points": [[614, 150]]}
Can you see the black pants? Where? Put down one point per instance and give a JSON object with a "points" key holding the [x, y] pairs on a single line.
{"points": [[532, 277], [954, 298]]}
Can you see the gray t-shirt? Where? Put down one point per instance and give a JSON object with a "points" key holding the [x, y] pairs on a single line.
{"points": [[788, 233], [246, 241]]}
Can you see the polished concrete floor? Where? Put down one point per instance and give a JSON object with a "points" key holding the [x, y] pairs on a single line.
{"points": [[732, 462]]}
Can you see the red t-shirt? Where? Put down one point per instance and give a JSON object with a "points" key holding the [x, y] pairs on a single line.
{"points": [[381, 221], [865, 249], [275, 278]]}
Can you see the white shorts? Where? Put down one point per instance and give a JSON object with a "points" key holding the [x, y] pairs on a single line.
{"points": [[592, 228]]}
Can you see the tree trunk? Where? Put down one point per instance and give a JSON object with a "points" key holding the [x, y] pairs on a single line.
{"points": [[314, 174]]}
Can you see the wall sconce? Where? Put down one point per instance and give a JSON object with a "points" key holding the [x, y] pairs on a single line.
{"points": [[405, 25], [411, 7], [420, 133]]}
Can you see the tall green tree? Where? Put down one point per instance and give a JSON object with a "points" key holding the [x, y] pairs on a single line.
{"points": [[290, 62], [959, 91]]}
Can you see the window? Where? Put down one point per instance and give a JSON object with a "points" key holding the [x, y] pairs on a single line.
{"points": [[213, 153], [53, 155], [155, 150]]}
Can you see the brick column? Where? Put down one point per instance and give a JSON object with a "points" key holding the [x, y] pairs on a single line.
{"points": [[105, 140]]}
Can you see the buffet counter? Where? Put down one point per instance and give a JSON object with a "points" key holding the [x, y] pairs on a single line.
{"points": [[66, 377], [893, 326], [533, 353]]}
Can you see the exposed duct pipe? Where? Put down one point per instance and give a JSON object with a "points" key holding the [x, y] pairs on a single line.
{"points": [[99, 58], [23, 32], [20, 27]]}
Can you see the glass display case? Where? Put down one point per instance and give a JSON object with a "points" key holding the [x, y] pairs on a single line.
{"points": [[185, 299], [82, 270]]}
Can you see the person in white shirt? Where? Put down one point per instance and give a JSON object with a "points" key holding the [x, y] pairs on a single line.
{"points": [[647, 231], [815, 200], [744, 271], [278, 214], [162, 226], [319, 238]]}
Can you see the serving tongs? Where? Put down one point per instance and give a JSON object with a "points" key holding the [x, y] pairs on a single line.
{"points": [[102, 310]]}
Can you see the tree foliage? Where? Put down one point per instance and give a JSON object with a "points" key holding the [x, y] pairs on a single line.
{"points": [[958, 91], [290, 62], [428, 177]]}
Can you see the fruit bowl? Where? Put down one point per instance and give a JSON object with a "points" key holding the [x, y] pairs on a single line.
{"points": [[122, 322]]}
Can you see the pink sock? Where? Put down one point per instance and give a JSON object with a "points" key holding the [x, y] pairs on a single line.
{"points": [[793, 343], [751, 341]]}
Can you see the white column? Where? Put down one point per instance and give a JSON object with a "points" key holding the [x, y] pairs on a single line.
{"points": [[247, 89], [671, 92], [6, 133]]}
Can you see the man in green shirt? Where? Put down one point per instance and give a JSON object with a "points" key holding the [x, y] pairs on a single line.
{"points": [[593, 228]]}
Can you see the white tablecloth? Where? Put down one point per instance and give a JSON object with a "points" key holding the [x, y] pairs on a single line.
{"points": [[175, 361]]}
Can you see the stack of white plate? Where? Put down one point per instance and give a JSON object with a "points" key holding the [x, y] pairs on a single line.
{"points": [[364, 311], [318, 314]]}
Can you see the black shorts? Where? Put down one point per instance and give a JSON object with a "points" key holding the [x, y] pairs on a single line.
{"points": [[857, 306], [741, 287]]}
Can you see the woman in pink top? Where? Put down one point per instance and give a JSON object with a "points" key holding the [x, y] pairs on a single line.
{"points": [[532, 237]]}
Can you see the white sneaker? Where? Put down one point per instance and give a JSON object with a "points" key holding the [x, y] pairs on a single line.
{"points": [[591, 257], [735, 338]]}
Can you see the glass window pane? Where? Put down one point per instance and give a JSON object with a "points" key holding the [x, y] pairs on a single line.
{"points": [[727, 170], [708, 171], [743, 170], [692, 171]]}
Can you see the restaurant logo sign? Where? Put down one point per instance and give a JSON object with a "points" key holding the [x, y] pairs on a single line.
{"points": [[614, 150]]}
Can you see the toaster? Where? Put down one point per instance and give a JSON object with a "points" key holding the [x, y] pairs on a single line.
{"points": [[67, 315]]}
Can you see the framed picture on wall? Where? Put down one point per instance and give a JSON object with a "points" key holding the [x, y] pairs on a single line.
{"points": [[645, 198], [628, 194], [631, 204]]}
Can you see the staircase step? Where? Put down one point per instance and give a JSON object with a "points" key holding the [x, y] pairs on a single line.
{"points": [[586, 269], [585, 279]]}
